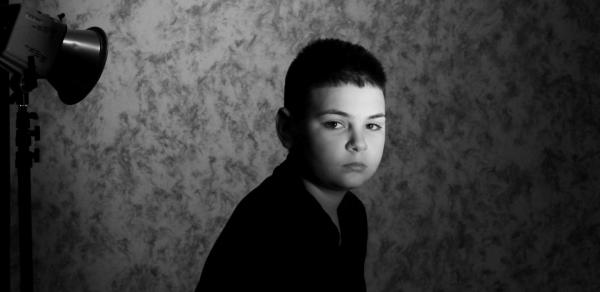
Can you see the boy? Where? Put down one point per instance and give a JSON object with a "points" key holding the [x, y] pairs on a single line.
{"points": [[302, 229]]}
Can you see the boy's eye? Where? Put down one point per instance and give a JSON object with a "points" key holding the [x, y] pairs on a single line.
{"points": [[332, 125], [373, 127]]}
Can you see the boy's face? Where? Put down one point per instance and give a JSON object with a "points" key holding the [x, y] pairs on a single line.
{"points": [[342, 135]]}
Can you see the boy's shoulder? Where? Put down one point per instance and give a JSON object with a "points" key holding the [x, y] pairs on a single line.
{"points": [[274, 190]]}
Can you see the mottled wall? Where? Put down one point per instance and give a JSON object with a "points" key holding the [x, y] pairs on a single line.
{"points": [[490, 180]]}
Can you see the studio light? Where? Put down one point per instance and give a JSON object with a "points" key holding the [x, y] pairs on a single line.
{"points": [[35, 46], [71, 60]]}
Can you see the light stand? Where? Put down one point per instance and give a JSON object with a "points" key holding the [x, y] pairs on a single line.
{"points": [[34, 45], [21, 86]]}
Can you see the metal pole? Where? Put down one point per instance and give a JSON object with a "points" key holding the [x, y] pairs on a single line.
{"points": [[21, 86]]}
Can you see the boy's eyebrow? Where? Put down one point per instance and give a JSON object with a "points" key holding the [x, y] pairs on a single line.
{"points": [[377, 116], [344, 114]]}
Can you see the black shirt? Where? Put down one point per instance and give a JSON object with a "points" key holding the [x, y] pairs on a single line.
{"points": [[279, 238]]}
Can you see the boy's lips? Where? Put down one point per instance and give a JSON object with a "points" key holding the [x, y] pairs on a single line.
{"points": [[355, 166]]}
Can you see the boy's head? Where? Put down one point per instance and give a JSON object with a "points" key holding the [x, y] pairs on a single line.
{"points": [[333, 120], [329, 62]]}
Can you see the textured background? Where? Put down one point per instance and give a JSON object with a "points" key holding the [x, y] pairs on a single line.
{"points": [[490, 179]]}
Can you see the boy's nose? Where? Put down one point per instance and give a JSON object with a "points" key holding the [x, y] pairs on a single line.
{"points": [[357, 142]]}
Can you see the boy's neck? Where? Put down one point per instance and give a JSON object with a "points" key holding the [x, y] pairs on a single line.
{"points": [[328, 199]]}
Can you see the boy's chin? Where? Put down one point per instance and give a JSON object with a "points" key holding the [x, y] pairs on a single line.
{"points": [[349, 183]]}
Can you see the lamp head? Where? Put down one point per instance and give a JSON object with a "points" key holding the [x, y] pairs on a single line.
{"points": [[71, 60]]}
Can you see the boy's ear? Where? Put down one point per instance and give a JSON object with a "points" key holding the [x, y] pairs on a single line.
{"points": [[285, 127]]}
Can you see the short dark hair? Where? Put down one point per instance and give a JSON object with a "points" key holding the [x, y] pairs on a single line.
{"points": [[329, 62]]}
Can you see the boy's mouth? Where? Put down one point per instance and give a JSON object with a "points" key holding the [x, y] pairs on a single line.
{"points": [[355, 166]]}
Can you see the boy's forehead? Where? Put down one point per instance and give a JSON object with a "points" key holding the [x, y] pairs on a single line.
{"points": [[365, 100]]}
